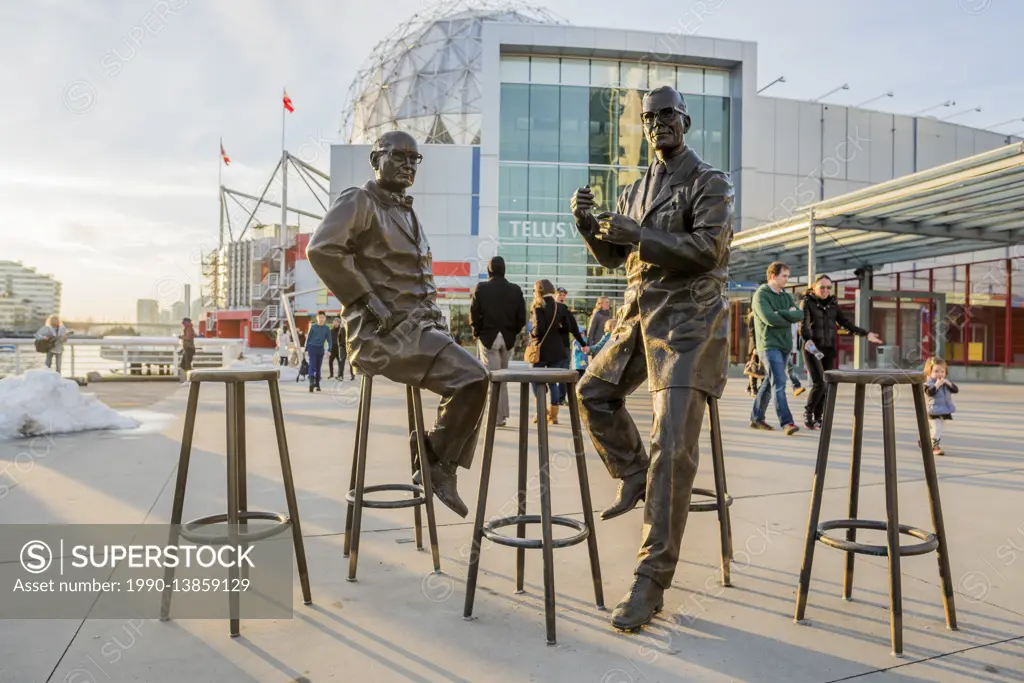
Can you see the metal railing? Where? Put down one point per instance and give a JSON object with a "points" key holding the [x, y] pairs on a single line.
{"points": [[267, 319], [118, 355]]}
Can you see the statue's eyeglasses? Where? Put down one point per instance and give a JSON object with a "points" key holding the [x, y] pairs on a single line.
{"points": [[402, 157], [666, 115]]}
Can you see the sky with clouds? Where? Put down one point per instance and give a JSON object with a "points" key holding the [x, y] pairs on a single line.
{"points": [[109, 137]]}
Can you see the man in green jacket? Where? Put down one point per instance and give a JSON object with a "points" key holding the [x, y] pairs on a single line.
{"points": [[774, 315]]}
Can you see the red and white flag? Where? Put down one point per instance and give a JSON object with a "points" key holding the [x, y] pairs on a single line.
{"points": [[224, 155], [288, 102]]}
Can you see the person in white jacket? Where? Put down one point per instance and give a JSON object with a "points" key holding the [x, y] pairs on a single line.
{"points": [[791, 361], [55, 334], [284, 341]]}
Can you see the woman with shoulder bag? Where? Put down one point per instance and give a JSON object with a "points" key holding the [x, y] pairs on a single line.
{"points": [[547, 349]]}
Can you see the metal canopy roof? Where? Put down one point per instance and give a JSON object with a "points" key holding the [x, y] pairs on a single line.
{"points": [[968, 205]]}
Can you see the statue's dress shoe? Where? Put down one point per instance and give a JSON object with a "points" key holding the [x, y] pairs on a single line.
{"points": [[443, 479], [632, 490], [644, 599]]}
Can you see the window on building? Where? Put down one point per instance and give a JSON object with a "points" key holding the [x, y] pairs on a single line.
{"points": [[544, 122], [514, 144], [574, 138]]}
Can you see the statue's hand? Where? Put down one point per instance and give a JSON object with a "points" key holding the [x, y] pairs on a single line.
{"points": [[385, 318], [618, 229], [582, 202]]}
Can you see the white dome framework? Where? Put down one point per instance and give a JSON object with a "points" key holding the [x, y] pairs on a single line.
{"points": [[424, 77]]}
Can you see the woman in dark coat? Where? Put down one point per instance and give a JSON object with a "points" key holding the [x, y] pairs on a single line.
{"points": [[554, 351]]}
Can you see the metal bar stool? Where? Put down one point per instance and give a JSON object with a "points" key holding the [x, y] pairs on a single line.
{"points": [[422, 495], [585, 529], [892, 549], [720, 499], [238, 512]]}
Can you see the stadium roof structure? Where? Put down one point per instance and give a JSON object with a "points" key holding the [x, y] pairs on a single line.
{"points": [[424, 76], [967, 205]]}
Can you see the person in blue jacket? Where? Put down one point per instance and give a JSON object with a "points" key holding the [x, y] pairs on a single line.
{"points": [[318, 337], [581, 360]]}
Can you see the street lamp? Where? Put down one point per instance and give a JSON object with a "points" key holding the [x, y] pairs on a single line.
{"points": [[780, 79], [947, 103], [965, 111], [1003, 123], [874, 99], [844, 86]]}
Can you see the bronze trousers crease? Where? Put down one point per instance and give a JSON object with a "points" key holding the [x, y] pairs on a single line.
{"points": [[461, 381], [678, 418], [611, 428]]}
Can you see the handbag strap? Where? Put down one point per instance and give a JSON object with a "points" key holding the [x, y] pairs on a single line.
{"points": [[550, 325]]}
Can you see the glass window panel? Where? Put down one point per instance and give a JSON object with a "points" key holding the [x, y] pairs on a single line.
{"points": [[626, 177], [509, 228], [513, 187], [633, 75], [604, 74], [574, 139], [661, 74], [515, 69], [544, 122], [604, 106], [569, 179], [632, 146], [514, 143], [544, 70], [690, 80], [575, 72], [543, 189], [602, 184], [695, 138], [716, 132], [716, 82]]}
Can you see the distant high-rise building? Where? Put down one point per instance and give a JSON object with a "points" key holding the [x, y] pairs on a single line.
{"points": [[178, 311], [26, 297], [147, 311]]}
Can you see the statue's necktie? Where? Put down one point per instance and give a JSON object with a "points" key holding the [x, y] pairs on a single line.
{"points": [[656, 183]]}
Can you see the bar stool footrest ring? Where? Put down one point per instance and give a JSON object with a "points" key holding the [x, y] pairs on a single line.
{"points": [[930, 540], [708, 505], [189, 529], [418, 499], [531, 543]]}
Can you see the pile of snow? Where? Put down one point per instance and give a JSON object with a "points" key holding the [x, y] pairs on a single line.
{"points": [[266, 362], [42, 402]]}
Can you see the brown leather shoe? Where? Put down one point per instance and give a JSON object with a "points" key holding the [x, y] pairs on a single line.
{"points": [[644, 599], [443, 479], [632, 490]]}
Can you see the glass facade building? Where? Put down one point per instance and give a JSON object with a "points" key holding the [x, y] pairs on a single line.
{"points": [[566, 123]]}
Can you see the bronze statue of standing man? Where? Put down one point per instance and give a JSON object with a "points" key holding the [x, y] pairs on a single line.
{"points": [[671, 229]]}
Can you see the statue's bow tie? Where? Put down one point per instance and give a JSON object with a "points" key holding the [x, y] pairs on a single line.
{"points": [[403, 201]]}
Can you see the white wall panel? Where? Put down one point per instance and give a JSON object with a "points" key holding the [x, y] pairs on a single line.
{"points": [[882, 148], [809, 139], [765, 135], [964, 142], [936, 143], [787, 124], [853, 149], [834, 137], [904, 144]]}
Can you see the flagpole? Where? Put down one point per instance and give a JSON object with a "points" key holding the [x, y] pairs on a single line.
{"points": [[284, 210], [220, 241]]}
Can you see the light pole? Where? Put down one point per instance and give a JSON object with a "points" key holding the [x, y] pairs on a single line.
{"points": [[947, 103], [965, 111], [876, 98], [780, 79], [1003, 123], [844, 86]]}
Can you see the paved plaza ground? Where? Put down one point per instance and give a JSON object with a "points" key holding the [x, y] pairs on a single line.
{"points": [[400, 622]]}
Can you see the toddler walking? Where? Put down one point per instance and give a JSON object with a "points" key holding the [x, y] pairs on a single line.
{"points": [[939, 391]]}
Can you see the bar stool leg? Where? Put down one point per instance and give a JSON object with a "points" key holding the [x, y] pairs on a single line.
{"points": [[892, 522], [231, 398], [243, 497], [289, 491], [481, 501], [524, 445], [858, 442], [718, 463], [817, 488], [179, 491], [355, 459], [414, 457], [545, 517], [428, 486], [588, 506], [357, 506], [930, 475]]}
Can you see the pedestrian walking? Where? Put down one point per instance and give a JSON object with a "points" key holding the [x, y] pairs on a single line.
{"points": [[497, 314], [598, 318], [550, 320], [580, 359], [284, 341], [337, 354], [939, 390], [319, 335], [774, 314], [188, 349], [561, 294], [50, 340], [798, 388], [822, 317]]}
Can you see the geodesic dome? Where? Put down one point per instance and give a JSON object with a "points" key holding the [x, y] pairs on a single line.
{"points": [[424, 77]]}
